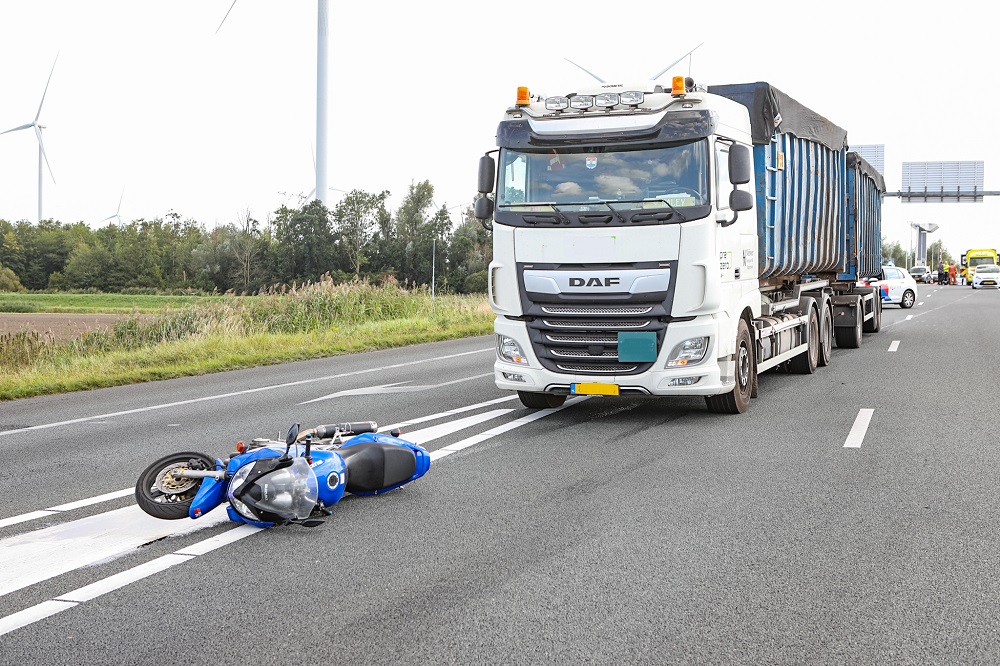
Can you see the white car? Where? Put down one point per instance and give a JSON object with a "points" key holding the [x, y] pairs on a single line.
{"points": [[922, 274], [986, 275], [896, 286]]}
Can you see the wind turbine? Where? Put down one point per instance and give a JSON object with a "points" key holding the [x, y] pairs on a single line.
{"points": [[116, 216], [322, 57], [38, 134]]}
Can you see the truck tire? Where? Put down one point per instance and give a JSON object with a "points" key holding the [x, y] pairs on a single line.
{"points": [[806, 362], [540, 400], [737, 400], [825, 329], [849, 337], [874, 325]]}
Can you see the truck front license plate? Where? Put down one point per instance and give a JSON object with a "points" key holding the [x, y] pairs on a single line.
{"points": [[593, 389]]}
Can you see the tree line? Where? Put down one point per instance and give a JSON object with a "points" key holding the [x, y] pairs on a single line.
{"points": [[358, 238]]}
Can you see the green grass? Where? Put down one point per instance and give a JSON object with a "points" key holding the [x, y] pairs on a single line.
{"points": [[68, 303], [311, 321]]}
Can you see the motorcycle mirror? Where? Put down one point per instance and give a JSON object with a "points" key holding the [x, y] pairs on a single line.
{"points": [[293, 433]]}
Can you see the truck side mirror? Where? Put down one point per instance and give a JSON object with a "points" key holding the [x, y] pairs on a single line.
{"points": [[740, 200], [740, 166], [484, 208], [487, 175]]}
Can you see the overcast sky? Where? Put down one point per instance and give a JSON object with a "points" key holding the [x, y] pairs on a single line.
{"points": [[148, 100]]}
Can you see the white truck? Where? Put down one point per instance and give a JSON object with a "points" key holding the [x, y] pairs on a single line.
{"points": [[658, 242]]}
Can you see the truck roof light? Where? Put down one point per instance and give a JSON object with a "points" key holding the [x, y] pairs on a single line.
{"points": [[581, 101], [632, 97], [523, 96], [606, 99], [677, 86], [556, 103]]}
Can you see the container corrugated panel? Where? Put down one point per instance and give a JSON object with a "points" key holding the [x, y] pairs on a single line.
{"points": [[800, 207], [865, 187]]}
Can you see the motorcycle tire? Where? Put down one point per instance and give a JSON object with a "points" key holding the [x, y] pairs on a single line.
{"points": [[164, 497]]}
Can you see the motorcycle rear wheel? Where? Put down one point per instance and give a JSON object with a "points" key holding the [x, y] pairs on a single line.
{"points": [[161, 495]]}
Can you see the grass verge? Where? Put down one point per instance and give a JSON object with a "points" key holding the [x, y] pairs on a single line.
{"points": [[312, 321]]}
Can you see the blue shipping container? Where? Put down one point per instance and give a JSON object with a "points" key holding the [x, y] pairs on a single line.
{"points": [[865, 187], [800, 165]]}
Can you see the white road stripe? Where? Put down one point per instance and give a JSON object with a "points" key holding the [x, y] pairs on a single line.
{"points": [[857, 434], [30, 558], [259, 389], [908, 317], [920, 303], [894, 346], [93, 500], [436, 432], [25, 517], [32, 615]]}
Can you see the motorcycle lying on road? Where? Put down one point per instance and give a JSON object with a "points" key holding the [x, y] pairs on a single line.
{"points": [[269, 483]]}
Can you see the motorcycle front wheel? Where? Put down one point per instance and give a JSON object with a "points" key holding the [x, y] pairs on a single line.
{"points": [[162, 495]]}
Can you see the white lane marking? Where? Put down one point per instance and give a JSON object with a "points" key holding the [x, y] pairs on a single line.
{"points": [[87, 592], [436, 432], [116, 581], [499, 430], [93, 500], [908, 317], [920, 303], [860, 428], [259, 389], [394, 388], [30, 558], [894, 346], [32, 615], [14, 520]]}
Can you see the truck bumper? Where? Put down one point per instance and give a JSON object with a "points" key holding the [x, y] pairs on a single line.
{"points": [[714, 375]]}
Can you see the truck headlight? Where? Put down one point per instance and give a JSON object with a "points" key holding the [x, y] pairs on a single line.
{"points": [[688, 352], [508, 350]]}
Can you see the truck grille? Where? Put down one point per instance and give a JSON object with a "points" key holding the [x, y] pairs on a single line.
{"points": [[583, 339]]}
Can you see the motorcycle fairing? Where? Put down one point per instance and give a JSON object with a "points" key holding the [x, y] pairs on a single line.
{"points": [[211, 493]]}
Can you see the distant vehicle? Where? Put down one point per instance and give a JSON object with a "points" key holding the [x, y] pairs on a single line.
{"points": [[973, 258], [986, 275], [922, 274], [895, 285]]}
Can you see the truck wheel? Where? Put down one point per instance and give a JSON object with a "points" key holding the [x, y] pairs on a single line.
{"points": [[908, 298], [737, 400], [825, 330], [874, 325], [806, 362], [540, 400], [849, 337]]}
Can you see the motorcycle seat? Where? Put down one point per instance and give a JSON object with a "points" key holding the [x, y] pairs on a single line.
{"points": [[374, 466]]}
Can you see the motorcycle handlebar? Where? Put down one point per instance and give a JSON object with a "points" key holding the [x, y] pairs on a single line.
{"points": [[357, 428]]}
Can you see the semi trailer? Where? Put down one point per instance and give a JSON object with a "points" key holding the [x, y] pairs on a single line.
{"points": [[652, 241]]}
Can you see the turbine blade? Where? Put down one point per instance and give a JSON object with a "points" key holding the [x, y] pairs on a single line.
{"points": [[664, 70], [19, 128], [586, 70], [226, 16], [41, 146], [120, 202], [46, 87]]}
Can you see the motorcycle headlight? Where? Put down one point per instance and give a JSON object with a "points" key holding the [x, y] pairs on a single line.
{"points": [[688, 352], [508, 350]]}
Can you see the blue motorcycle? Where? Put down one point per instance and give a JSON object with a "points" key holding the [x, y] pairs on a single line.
{"points": [[269, 483]]}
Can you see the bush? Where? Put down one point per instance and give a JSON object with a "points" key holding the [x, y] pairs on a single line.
{"points": [[477, 283], [9, 281]]}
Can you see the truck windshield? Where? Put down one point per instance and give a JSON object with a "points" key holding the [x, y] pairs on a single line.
{"points": [[591, 179]]}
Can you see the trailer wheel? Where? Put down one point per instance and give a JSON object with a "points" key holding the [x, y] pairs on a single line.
{"points": [[737, 400], [806, 362], [849, 337], [825, 330], [874, 325], [541, 400]]}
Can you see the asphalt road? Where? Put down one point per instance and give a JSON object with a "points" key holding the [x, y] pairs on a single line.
{"points": [[608, 531]]}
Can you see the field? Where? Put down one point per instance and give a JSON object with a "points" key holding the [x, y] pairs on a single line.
{"points": [[60, 327], [66, 303]]}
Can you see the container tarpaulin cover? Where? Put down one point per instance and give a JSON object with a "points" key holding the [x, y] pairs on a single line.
{"points": [[772, 110]]}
